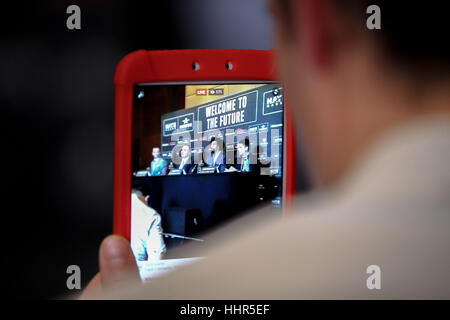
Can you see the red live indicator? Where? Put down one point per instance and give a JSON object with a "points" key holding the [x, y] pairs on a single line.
{"points": [[201, 92]]}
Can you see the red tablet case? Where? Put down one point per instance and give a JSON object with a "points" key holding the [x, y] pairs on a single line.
{"points": [[177, 65]]}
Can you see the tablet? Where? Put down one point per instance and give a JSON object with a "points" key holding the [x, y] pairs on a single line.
{"points": [[201, 138]]}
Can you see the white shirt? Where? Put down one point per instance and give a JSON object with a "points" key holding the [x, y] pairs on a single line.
{"points": [[183, 162], [146, 232], [216, 155], [392, 210]]}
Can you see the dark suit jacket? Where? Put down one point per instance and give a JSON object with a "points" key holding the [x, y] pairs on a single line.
{"points": [[219, 164], [189, 168], [253, 168]]}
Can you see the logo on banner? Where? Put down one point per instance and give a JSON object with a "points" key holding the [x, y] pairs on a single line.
{"points": [[171, 126], [273, 101], [186, 124], [183, 123]]}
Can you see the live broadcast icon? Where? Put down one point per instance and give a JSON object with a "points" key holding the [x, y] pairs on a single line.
{"points": [[201, 92]]}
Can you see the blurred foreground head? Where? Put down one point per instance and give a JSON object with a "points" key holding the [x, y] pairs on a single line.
{"points": [[348, 84]]}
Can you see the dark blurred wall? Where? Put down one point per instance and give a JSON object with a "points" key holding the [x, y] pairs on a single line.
{"points": [[56, 119]]}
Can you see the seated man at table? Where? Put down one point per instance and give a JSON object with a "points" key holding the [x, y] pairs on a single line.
{"points": [[216, 157], [244, 161], [186, 166], [158, 167], [147, 241]]}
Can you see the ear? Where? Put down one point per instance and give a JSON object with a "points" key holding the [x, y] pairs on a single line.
{"points": [[314, 23]]}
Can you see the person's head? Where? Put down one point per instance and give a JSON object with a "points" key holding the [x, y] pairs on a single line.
{"points": [[243, 147], [215, 144], [156, 152], [347, 84], [142, 192], [185, 151]]}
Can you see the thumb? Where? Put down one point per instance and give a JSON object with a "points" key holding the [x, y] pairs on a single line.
{"points": [[117, 263]]}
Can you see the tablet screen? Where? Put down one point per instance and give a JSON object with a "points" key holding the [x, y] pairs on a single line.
{"points": [[202, 154]]}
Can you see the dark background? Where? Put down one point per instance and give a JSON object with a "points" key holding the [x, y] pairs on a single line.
{"points": [[56, 119]]}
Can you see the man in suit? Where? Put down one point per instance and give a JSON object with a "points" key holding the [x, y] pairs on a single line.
{"points": [[146, 232], [186, 166], [244, 160], [216, 158], [372, 100]]}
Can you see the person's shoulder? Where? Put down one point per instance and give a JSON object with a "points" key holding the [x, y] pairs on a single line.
{"points": [[152, 213], [302, 255]]}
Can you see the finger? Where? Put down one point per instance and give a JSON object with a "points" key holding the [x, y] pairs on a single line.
{"points": [[117, 263], [93, 290]]}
